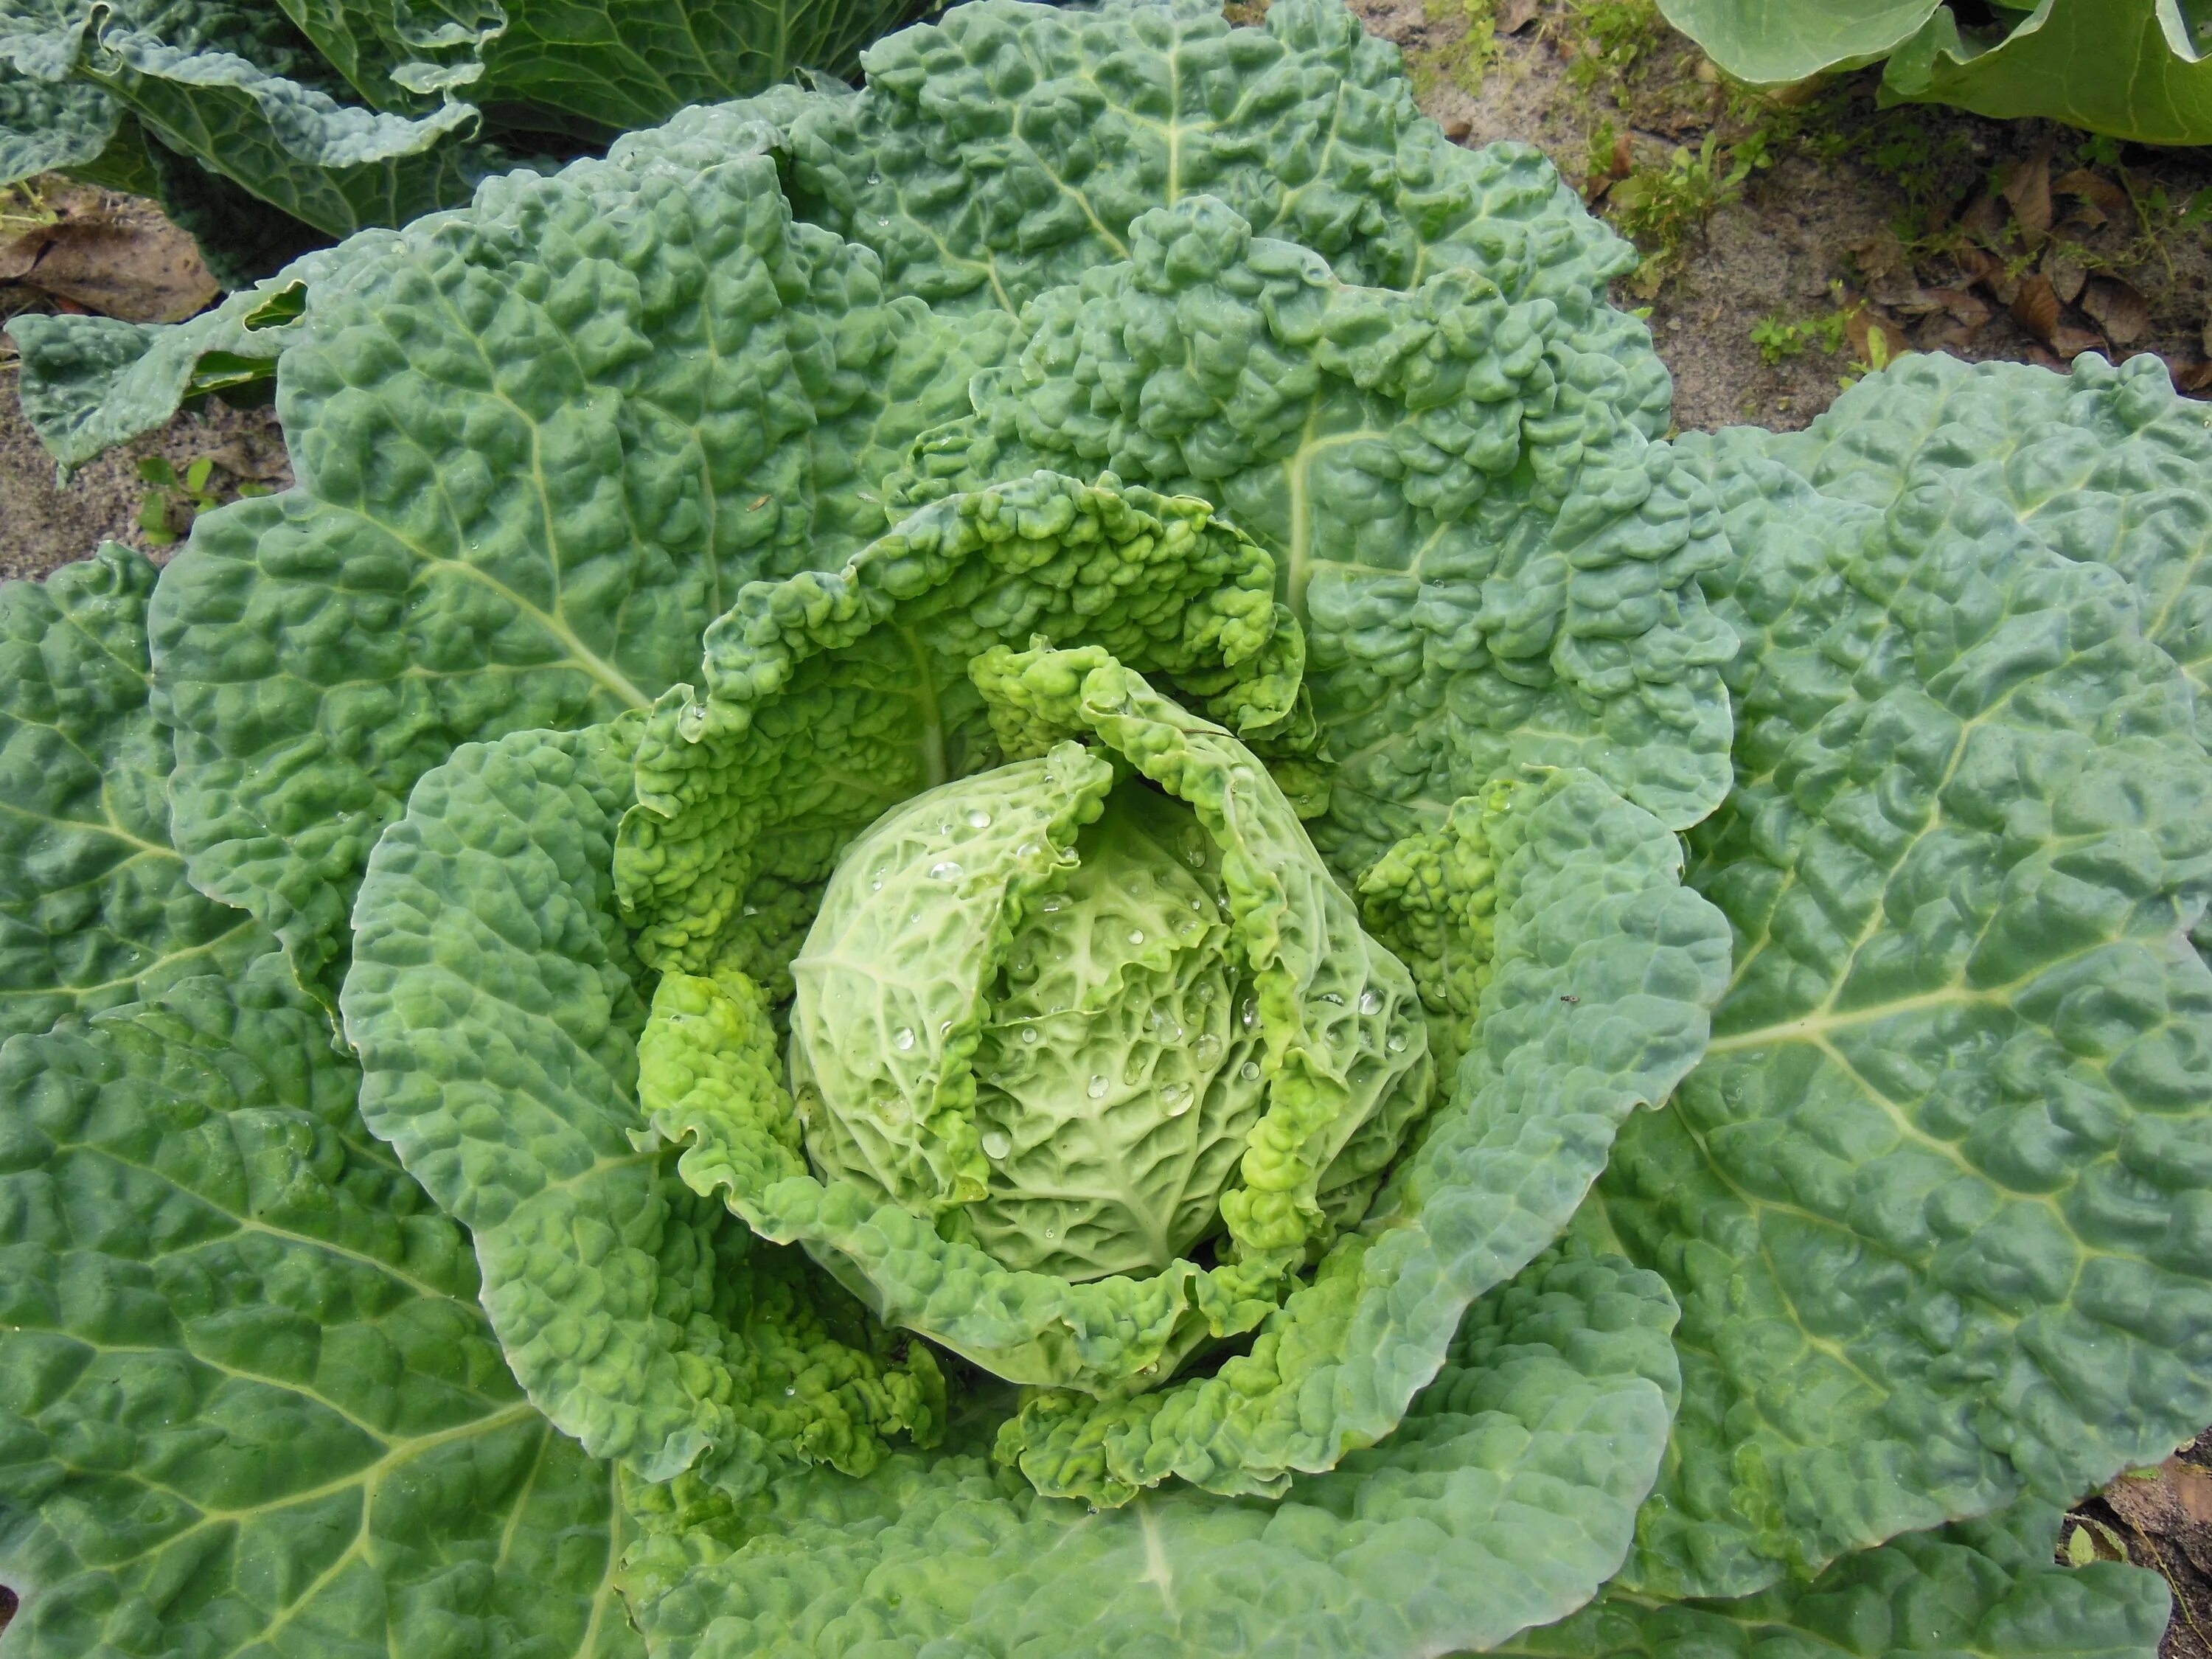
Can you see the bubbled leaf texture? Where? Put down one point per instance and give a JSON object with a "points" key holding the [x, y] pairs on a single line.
{"points": [[95, 909], [350, 113], [1978, 1589], [1938, 1202], [1605, 967], [251, 1404], [1498, 1504], [835, 694], [1005, 149], [1494, 565], [539, 447], [495, 1005]]}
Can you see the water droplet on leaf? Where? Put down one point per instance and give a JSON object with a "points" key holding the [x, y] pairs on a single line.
{"points": [[1176, 1097], [979, 819], [1136, 936], [947, 870], [1369, 1003], [1396, 1045], [1207, 1050], [1250, 1071], [903, 1039], [1098, 1086], [997, 1143], [1028, 1034]]}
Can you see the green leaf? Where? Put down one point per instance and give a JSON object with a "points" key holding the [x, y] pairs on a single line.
{"points": [[249, 1403], [490, 972], [2134, 69], [1497, 1505], [45, 125], [1007, 149], [540, 446], [1772, 43], [95, 909], [90, 383], [2104, 465], [834, 695], [1494, 565], [1936, 1201], [1979, 1588]]}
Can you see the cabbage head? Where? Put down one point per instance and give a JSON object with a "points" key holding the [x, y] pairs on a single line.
{"points": [[1006, 867]]}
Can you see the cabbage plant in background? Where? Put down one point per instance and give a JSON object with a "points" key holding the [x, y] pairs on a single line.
{"points": [[345, 117], [1003, 867], [2134, 69]]}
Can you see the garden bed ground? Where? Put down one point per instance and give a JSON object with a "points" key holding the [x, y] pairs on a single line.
{"points": [[1792, 242]]}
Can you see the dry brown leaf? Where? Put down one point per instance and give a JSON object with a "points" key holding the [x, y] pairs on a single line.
{"points": [[1965, 305], [2172, 1503], [1984, 220], [1457, 128], [142, 269], [2035, 306], [2117, 309], [2066, 276], [2191, 377], [1863, 323], [2027, 187], [2069, 342], [2098, 192]]}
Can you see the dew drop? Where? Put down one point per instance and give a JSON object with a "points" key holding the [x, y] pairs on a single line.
{"points": [[1049, 1233], [947, 870], [790, 1393], [1098, 1086], [882, 222], [1198, 905], [997, 1143], [903, 1039], [752, 910], [1248, 1015], [1205, 991], [1176, 1097], [1028, 1034], [877, 886], [1369, 1003], [1329, 997], [1207, 1050], [1136, 936], [1194, 849], [979, 819], [1028, 849], [1054, 903], [944, 1028], [875, 178], [1396, 1045], [1250, 1071], [1133, 1072]]}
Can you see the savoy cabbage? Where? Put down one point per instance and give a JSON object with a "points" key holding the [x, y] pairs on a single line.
{"points": [[1005, 867]]}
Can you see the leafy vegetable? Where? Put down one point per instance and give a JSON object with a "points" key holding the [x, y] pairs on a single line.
{"points": [[345, 117], [2135, 69], [1721, 1137]]}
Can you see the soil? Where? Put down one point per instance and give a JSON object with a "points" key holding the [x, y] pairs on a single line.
{"points": [[1793, 241]]}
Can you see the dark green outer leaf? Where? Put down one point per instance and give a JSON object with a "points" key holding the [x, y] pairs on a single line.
{"points": [[1938, 1203], [248, 1401], [44, 125], [539, 446], [95, 909], [1986, 1589]]}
